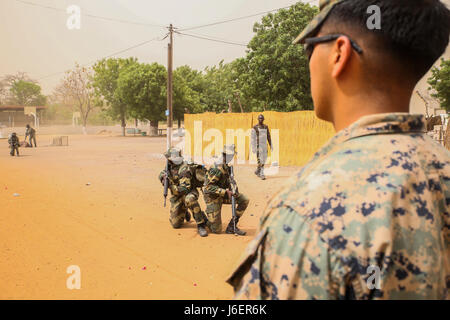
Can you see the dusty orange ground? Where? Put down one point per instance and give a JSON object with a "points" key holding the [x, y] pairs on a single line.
{"points": [[112, 229]]}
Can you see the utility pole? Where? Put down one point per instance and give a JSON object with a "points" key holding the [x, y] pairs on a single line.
{"points": [[170, 89]]}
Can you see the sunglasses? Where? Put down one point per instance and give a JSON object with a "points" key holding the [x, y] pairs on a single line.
{"points": [[310, 43]]}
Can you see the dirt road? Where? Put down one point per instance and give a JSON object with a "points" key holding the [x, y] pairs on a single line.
{"points": [[98, 204]]}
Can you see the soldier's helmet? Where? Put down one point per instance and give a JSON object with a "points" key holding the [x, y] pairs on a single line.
{"points": [[229, 151], [28, 126], [13, 134], [174, 155]]}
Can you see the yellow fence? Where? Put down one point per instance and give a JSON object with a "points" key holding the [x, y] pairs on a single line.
{"points": [[296, 135]]}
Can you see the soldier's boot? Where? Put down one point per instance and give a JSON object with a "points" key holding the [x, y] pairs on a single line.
{"points": [[261, 174], [257, 171], [231, 230], [201, 228], [188, 216]]}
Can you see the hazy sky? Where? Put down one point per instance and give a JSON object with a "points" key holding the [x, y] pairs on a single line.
{"points": [[36, 40]]}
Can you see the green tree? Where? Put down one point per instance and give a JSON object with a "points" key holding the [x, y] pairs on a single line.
{"points": [[275, 73], [440, 84], [220, 88], [105, 81], [143, 88], [189, 89], [26, 93]]}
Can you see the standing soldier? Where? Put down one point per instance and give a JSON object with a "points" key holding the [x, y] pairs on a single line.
{"points": [[32, 134], [14, 144], [261, 134], [217, 191], [184, 179]]}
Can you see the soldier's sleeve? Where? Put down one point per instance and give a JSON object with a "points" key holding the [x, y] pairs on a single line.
{"points": [[287, 260], [211, 187], [173, 188], [161, 176], [185, 181]]}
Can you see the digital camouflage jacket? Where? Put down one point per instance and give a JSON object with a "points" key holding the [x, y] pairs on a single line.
{"points": [[367, 218]]}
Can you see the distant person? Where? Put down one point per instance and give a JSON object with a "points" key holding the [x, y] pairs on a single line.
{"points": [[369, 216], [14, 144], [260, 138], [31, 133]]}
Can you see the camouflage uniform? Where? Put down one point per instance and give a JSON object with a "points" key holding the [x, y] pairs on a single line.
{"points": [[14, 144], [178, 208], [188, 188], [32, 134], [378, 193], [216, 184], [261, 133], [185, 178]]}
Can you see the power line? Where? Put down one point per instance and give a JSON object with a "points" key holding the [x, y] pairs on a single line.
{"points": [[198, 36], [211, 39], [106, 57], [240, 18], [91, 15]]}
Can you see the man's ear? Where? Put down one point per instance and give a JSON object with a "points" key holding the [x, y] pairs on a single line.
{"points": [[341, 54]]}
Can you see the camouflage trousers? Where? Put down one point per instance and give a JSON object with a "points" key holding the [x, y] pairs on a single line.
{"points": [[214, 210], [179, 205], [14, 149], [33, 139], [261, 156]]}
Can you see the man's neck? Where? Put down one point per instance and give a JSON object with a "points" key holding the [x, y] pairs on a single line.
{"points": [[348, 111]]}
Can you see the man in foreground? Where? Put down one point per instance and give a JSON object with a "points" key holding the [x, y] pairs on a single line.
{"points": [[368, 217]]}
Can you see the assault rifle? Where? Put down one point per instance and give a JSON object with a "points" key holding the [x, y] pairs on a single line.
{"points": [[234, 191], [166, 182]]}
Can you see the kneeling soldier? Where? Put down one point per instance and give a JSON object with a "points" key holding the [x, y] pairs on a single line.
{"points": [[183, 184], [217, 191], [192, 177]]}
